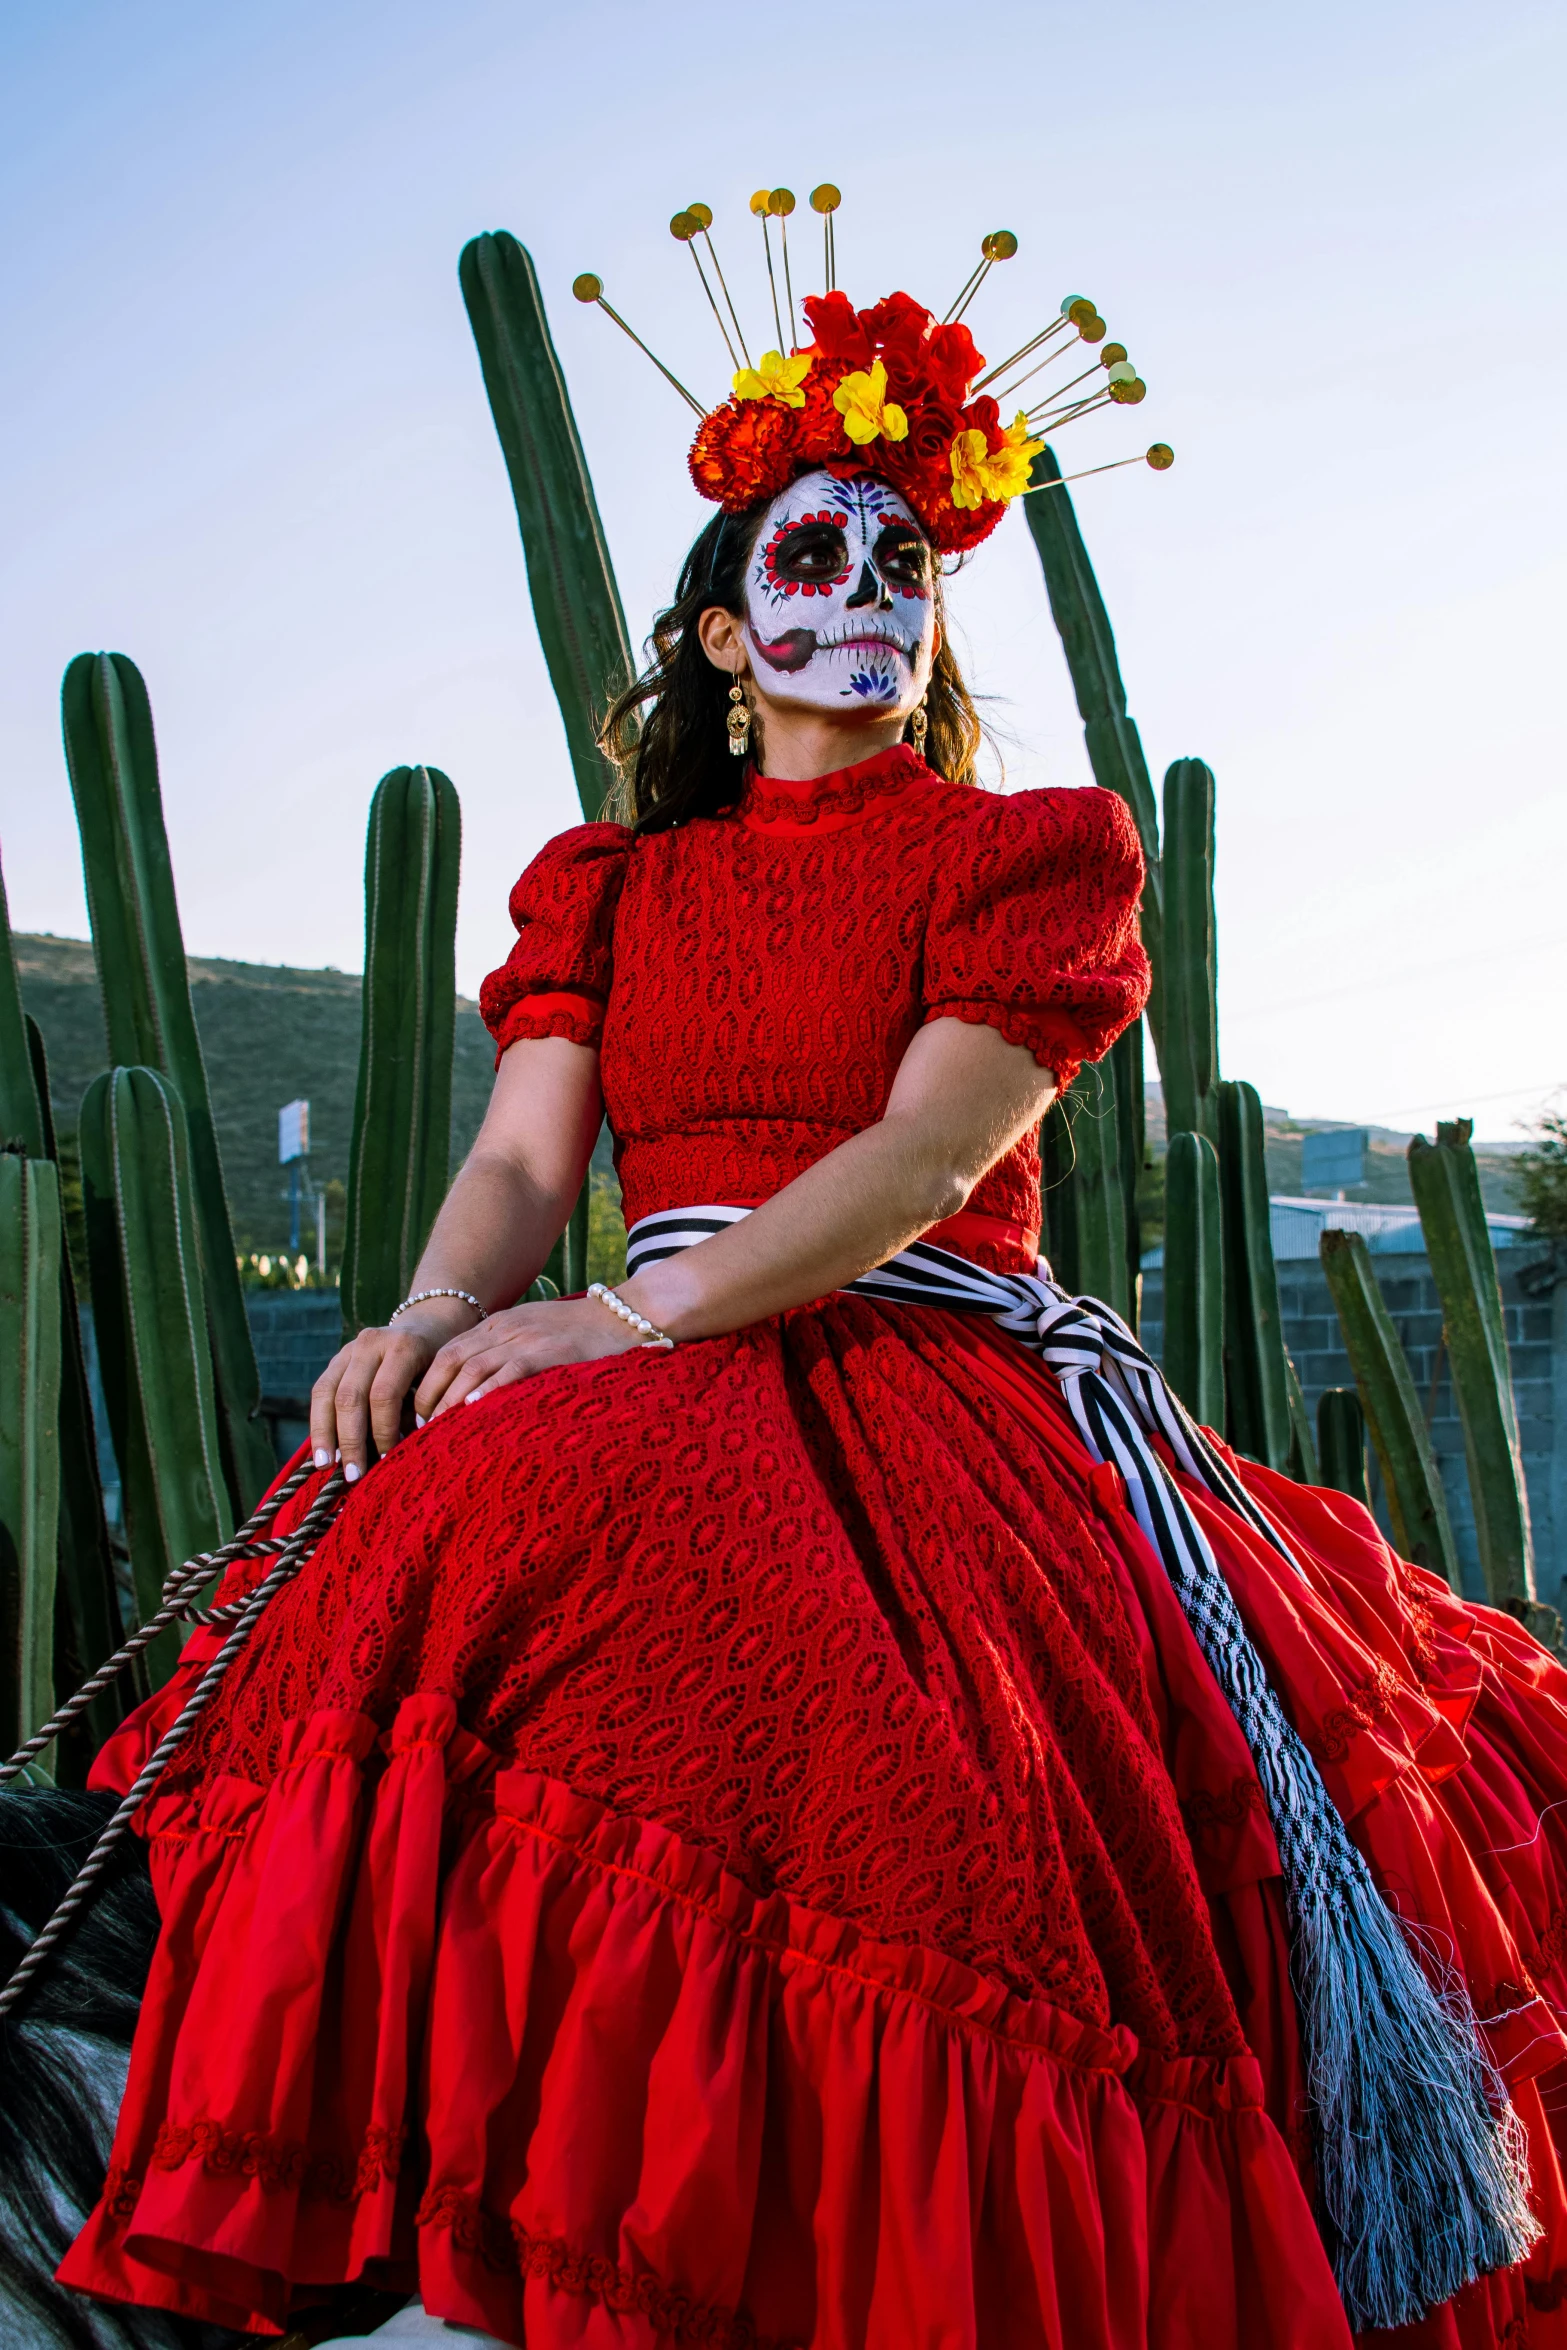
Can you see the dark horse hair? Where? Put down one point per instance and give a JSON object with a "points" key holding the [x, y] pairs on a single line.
{"points": [[63, 2060], [64, 2055], [666, 733]]}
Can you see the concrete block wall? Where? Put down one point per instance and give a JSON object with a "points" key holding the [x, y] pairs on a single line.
{"points": [[1534, 1302], [295, 1333]]}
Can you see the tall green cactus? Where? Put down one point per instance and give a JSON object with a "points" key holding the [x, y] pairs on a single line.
{"points": [[30, 1261], [85, 1589], [575, 599], [1083, 1194], [1446, 1185], [1256, 1365], [1415, 1500], [398, 1164], [113, 762], [1115, 751], [150, 1310], [1341, 1442], [567, 1267], [22, 1114], [1189, 1047], [1194, 1277], [1303, 1451]]}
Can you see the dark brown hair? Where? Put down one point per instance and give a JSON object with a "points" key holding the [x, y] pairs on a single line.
{"points": [[666, 733]]}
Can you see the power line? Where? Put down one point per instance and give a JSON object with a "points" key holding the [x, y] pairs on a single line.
{"points": [[1509, 1093], [1363, 987]]}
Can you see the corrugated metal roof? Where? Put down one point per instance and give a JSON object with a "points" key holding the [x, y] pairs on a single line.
{"points": [[1295, 1226]]}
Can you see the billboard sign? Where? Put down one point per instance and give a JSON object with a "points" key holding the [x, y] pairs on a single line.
{"points": [[293, 1132]]}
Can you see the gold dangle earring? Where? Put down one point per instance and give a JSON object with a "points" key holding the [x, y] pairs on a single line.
{"points": [[739, 721], [919, 727]]}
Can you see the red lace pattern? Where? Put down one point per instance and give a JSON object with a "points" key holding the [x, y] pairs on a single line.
{"points": [[761, 975], [794, 1594]]}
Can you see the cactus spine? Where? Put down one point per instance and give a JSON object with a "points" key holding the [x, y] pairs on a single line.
{"points": [[150, 1308], [1446, 1185], [113, 762], [1415, 1499], [403, 1103], [1256, 1365], [1194, 1277], [30, 1267], [1115, 751], [575, 599], [1341, 1442]]}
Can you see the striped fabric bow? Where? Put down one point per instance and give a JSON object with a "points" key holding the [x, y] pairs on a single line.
{"points": [[1421, 2169]]}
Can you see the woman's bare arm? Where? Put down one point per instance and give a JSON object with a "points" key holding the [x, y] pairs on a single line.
{"points": [[962, 1096], [497, 1225]]}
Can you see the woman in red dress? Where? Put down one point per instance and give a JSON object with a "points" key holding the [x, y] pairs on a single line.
{"points": [[736, 1837]]}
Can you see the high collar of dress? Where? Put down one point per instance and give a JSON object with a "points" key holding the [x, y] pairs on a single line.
{"points": [[775, 802]]}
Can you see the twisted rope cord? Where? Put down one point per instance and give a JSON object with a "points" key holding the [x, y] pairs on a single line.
{"points": [[179, 1589], [291, 1554]]}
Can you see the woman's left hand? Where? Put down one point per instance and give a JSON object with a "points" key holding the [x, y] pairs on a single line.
{"points": [[514, 1344]]}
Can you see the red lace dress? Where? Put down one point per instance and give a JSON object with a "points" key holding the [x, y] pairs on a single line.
{"points": [[740, 1846]]}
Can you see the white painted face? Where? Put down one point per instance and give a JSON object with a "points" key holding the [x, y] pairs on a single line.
{"points": [[840, 609]]}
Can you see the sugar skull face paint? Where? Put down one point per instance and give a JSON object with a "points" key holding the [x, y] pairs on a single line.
{"points": [[840, 608]]}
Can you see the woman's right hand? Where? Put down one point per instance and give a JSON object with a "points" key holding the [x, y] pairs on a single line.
{"points": [[357, 1403]]}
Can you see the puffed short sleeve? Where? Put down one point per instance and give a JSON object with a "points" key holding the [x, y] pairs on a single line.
{"points": [[1034, 925], [556, 980]]}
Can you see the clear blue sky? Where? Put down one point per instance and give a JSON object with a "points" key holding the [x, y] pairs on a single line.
{"points": [[246, 440]]}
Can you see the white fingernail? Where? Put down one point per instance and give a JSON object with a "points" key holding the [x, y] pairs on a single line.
{"points": [[418, 1422], [337, 1456], [323, 1459], [473, 1398], [350, 1472]]}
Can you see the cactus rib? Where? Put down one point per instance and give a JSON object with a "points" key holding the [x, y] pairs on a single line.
{"points": [[150, 1308], [1189, 1048], [1256, 1365], [30, 1254], [401, 1146], [1416, 1503], [576, 602], [112, 758], [1446, 1185], [1341, 1442], [1083, 1194], [1115, 751], [1194, 1278]]}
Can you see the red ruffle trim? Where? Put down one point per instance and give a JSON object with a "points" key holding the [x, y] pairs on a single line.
{"points": [[729, 2121], [560, 1012]]}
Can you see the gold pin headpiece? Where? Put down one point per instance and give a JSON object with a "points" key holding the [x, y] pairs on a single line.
{"points": [[919, 412]]}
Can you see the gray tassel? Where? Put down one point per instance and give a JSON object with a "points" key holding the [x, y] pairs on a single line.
{"points": [[1422, 2163]]}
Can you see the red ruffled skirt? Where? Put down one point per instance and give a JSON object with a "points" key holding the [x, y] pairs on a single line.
{"points": [[741, 1847]]}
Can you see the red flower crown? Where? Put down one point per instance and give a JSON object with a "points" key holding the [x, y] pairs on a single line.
{"points": [[910, 421], [892, 390]]}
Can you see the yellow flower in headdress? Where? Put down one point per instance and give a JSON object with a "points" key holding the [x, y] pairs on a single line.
{"points": [[978, 472], [777, 378], [868, 415]]}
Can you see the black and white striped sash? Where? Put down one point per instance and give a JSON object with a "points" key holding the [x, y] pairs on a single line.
{"points": [[1412, 2214]]}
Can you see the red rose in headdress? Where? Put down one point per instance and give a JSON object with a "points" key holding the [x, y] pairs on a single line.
{"points": [[906, 376]]}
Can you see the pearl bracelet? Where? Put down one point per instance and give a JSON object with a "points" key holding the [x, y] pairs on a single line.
{"points": [[650, 1332], [420, 1295]]}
